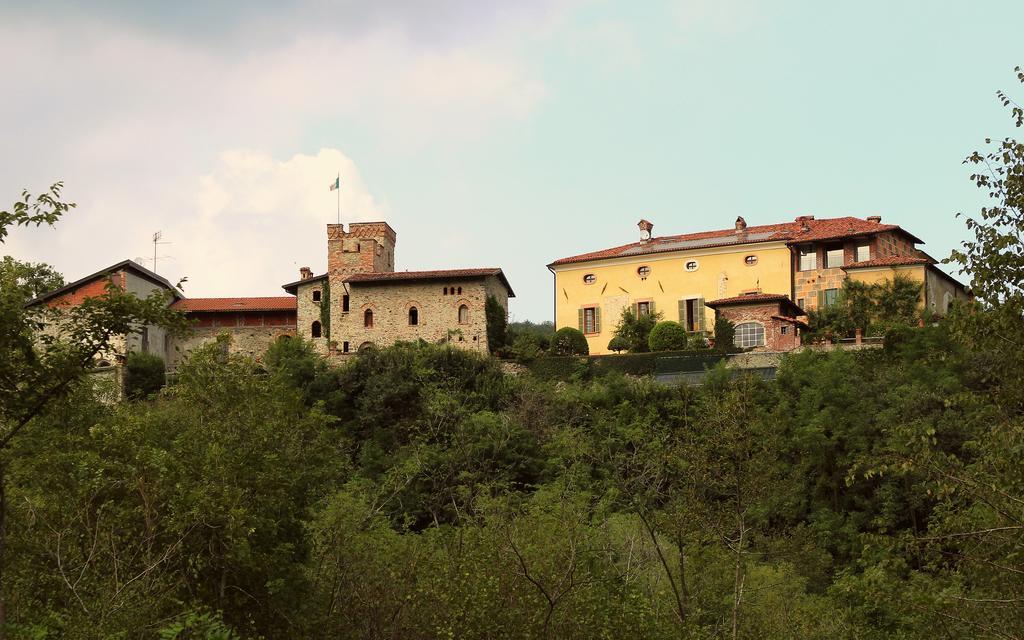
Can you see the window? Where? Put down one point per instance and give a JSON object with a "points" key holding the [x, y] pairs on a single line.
{"points": [[800, 302], [808, 259], [591, 320], [691, 265], [414, 316], [368, 318], [749, 334], [446, 291], [315, 329], [643, 271], [316, 296], [344, 303], [643, 308], [691, 314], [463, 314], [344, 347], [460, 291], [750, 260], [828, 297], [863, 252], [589, 279], [784, 329], [833, 256]]}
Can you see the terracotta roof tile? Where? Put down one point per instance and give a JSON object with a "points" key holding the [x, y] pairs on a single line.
{"points": [[402, 276], [889, 261], [758, 298], [790, 232], [277, 303]]}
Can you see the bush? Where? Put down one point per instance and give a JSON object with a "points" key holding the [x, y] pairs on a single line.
{"points": [[667, 336], [725, 335], [635, 329], [143, 374], [618, 344], [497, 324], [569, 342], [526, 347]]}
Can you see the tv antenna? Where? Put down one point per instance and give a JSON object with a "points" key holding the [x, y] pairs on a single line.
{"points": [[158, 240]]}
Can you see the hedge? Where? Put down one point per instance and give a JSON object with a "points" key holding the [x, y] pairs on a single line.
{"points": [[634, 364]]}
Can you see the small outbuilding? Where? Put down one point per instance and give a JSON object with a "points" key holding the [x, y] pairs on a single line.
{"points": [[764, 321]]}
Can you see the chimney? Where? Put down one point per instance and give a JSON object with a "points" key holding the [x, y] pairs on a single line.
{"points": [[741, 224], [305, 273], [645, 230], [875, 219]]}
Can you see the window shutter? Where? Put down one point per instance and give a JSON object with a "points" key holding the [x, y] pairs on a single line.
{"points": [[597, 319], [821, 299], [636, 309], [650, 307], [581, 319], [699, 310], [682, 312]]}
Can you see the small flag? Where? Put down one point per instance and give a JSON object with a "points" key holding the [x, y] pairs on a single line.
{"points": [[336, 184]]}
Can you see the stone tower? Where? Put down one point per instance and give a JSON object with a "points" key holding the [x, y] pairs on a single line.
{"points": [[367, 247]]}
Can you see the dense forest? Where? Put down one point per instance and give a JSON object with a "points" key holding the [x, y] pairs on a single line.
{"points": [[423, 492]]}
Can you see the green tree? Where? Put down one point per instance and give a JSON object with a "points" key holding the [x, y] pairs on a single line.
{"points": [[497, 322], [618, 344], [144, 374], [725, 334], [667, 335], [635, 329], [45, 350]]}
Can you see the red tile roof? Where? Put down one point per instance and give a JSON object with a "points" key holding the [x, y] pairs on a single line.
{"points": [[800, 230], [279, 303], [757, 298], [401, 276], [747, 299], [889, 261]]}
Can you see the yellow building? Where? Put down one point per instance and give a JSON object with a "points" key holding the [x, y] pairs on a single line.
{"points": [[806, 260]]}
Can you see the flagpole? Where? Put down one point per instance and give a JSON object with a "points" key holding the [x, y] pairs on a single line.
{"points": [[338, 182]]}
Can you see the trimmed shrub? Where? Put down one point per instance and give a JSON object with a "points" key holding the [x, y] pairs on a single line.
{"points": [[668, 335], [569, 342], [618, 344], [143, 374]]}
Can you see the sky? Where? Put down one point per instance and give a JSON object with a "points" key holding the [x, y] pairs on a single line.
{"points": [[488, 134]]}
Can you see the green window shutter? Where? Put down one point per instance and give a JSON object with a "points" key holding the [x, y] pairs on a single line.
{"points": [[699, 325], [597, 319], [636, 309], [821, 299], [650, 307], [581, 319], [682, 312]]}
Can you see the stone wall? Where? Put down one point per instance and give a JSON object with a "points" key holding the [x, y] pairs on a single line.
{"points": [[248, 341], [437, 313], [779, 335]]}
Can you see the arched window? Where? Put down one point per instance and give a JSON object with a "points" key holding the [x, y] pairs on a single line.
{"points": [[460, 291], [368, 318], [749, 334], [414, 316], [446, 291], [463, 314], [315, 329]]}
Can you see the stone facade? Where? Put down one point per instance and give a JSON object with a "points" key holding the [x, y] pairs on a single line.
{"points": [[361, 301], [251, 333]]}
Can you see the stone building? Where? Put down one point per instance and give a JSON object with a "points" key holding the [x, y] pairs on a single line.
{"points": [[362, 301], [766, 322], [805, 260]]}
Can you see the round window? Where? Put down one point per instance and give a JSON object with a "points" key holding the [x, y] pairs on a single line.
{"points": [[691, 265], [643, 271], [750, 260], [590, 278]]}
